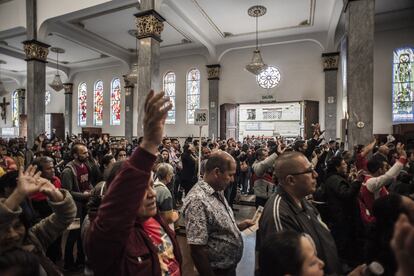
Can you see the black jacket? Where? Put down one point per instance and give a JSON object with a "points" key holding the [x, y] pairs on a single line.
{"points": [[341, 197], [189, 171], [282, 213]]}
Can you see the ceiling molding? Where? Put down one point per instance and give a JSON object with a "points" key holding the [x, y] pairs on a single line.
{"points": [[171, 12], [9, 51], [316, 38], [89, 40], [4, 1], [93, 68], [311, 19], [10, 33]]}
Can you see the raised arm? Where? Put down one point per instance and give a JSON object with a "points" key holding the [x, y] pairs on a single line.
{"points": [[368, 148], [117, 214], [260, 168], [375, 183]]}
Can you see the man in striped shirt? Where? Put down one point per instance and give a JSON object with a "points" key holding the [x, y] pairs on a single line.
{"points": [[288, 209]]}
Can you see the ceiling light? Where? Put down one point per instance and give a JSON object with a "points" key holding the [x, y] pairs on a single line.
{"points": [[256, 65], [57, 84], [3, 91]]}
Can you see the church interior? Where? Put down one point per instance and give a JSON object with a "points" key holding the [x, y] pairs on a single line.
{"points": [[99, 44], [250, 69]]}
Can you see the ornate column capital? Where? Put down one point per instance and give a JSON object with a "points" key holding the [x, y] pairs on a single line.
{"points": [[35, 50], [149, 24], [128, 83], [68, 88], [21, 92], [330, 61], [213, 71]]}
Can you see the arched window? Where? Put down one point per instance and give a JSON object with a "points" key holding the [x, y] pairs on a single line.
{"points": [[169, 89], [116, 102], [98, 103], [403, 85], [193, 94], [15, 108], [82, 103]]}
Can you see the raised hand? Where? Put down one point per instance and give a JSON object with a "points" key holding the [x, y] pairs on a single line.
{"points": [[156, 110], [400, 150], [50, 190], [28, 181], [402, 244]]}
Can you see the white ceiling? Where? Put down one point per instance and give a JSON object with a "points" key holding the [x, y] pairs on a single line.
{"points": [[382, 6], [203, 22], [114, 27]]}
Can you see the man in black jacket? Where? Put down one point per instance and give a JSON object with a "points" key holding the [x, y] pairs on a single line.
{"points": [[289, 210], [341, 194]]}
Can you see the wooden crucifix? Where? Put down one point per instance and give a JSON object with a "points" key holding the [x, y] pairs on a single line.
{"points": [[3, 106]]}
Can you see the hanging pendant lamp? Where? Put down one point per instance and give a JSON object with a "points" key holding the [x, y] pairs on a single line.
{"points": [[57, 84], [256, 66]]}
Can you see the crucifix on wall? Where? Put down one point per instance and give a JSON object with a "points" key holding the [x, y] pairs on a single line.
{"points": [[3, 106]]}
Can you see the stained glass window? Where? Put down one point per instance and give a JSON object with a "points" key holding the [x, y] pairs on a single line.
{"points": [[98, 103], [15, 108], [193, 94], [402, 86], [116, 102], [169, 89], [47, 97], [82, 103], [269, 78]]}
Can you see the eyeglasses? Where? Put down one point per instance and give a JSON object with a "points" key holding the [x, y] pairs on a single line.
{"points": [[309, 170]]}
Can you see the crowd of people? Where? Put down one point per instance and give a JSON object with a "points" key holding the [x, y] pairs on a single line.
{"points": [[326, 210]]}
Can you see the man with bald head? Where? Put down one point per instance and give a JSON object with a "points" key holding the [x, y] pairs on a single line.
{"points": [[212, 233], [288, 209]]}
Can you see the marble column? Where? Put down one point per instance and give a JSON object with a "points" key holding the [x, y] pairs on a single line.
{"points": [[359, 78], [68, 107], [129, 106], [36, 54], [21, 93], [330, 67], [149, 25], [213, 73]]}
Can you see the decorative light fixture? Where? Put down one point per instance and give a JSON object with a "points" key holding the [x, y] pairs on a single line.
{"points": [[269, 77], [3, 91], [132, 76], [256, 65], [57, 84]]}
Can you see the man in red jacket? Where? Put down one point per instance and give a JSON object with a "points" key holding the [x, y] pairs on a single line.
{"points": [[128, 237]]}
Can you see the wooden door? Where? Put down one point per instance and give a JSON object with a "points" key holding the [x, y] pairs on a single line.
{"points": [[311, 116], [57, 121], [229, 121]]}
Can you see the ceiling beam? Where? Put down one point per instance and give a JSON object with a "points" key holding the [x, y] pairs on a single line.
{"points": [[20, 55], [172, 13], [89, 40]]}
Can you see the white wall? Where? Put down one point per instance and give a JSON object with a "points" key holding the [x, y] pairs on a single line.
{"points": [[181, 66], [385, 43], [90, 77], [56, 105], [10, 87], [300, 65]]}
